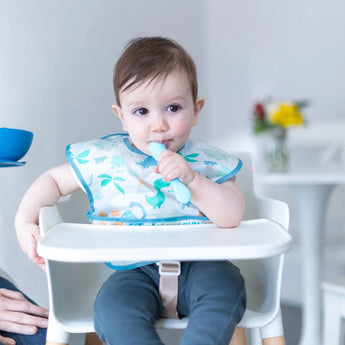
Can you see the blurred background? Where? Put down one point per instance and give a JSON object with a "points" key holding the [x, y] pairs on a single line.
{"points": [[56, 63]]}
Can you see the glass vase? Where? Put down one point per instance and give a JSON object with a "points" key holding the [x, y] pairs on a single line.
{"points": [[277, 155]]}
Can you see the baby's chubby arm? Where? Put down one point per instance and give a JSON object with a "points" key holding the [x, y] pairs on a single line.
{"points": [[222, 203], [45, 191]]}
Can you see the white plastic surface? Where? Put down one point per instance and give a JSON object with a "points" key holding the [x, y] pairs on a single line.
{"points": [[94, 243]]}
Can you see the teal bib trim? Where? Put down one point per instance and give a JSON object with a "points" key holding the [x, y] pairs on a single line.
{"points": [[129, 266], [232, 174], [186, 219]]}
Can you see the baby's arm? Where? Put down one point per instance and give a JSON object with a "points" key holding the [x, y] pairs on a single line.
{"points": [[222, 203], [45, 191]]}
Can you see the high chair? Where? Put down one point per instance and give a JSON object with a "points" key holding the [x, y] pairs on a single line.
{"points": [[75, 253]]}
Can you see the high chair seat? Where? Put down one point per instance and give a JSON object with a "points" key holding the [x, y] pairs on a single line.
{"points": [[75, 254]]}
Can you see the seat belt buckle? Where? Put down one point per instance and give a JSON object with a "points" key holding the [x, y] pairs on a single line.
{"points": [[169, 268]]}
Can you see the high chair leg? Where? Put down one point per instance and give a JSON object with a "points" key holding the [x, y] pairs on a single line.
{"points": [[273, 333], [55, 334], [239, 337], [274, 341], [92, 339]]}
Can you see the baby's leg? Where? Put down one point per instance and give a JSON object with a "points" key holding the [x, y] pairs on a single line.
{"points": [[213, 294], [239, 337], [126, 309]]}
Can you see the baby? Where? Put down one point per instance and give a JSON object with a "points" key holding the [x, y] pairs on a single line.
{"points": [[155, 86]]}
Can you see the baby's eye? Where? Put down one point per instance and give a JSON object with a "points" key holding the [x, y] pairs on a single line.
{"points": [[141, 111], [174, 108]]}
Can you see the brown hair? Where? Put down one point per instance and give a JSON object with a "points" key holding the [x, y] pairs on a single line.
{"points": [[151, 57]]}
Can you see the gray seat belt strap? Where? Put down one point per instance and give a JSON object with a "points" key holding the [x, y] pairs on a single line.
{"points": [[168, 287]]}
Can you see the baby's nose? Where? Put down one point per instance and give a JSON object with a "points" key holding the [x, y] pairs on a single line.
{"points": [[159, 124]]}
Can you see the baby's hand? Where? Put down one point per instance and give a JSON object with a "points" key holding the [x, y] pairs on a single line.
{"points": [[171, 165], [28, 239]]}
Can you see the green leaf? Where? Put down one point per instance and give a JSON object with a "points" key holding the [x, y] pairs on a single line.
{"points": [[120, 189], [105, 182], [302, 104], [117, 178], [84, 154], [189, 158], [105, 176], [82, 161]]}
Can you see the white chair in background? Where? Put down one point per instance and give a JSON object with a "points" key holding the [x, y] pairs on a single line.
{"points": [[75, 252], [318, 146], [334, 311]]}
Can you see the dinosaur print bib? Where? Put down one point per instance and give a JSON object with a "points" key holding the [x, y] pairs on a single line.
{"points": [[123, 188]]}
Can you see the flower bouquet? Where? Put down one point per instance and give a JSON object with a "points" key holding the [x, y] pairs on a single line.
{"points": [[274, 119]]}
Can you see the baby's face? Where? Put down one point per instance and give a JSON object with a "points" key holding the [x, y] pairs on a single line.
{"points": [[161, 110]]}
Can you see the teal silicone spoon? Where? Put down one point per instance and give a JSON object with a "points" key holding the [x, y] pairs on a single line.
{"points": [[182, 193]]}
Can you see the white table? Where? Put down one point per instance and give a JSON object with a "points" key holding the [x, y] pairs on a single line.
{"points": [[310, 193], [69, 242]]}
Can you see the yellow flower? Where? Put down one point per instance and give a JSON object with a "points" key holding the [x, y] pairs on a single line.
{"points": [[286, 115]]}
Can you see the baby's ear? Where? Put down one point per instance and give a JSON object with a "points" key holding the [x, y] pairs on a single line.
{"points": [[199, 104], [118, 112]]}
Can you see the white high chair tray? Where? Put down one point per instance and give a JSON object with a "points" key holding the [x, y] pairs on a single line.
{"points": [[70, 242]]}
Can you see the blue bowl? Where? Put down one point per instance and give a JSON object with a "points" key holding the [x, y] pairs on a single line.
{"points": [[14, 143]]}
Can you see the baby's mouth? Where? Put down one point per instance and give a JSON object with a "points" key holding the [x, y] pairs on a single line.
{"points": [[166, 142]]}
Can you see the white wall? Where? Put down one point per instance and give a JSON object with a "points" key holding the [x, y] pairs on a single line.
{"points": [[286, 49], [56, 76]]}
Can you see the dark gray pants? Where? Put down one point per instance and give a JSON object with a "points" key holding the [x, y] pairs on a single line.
{"points": [[211, 293]]}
